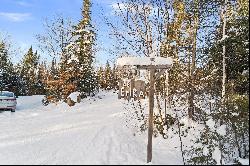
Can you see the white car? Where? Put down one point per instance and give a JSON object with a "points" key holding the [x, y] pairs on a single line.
{"points": [[7, 101]]}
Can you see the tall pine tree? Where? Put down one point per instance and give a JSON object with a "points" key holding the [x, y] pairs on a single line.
{"points": [[82, 54], [6, 68], [28, 71]]}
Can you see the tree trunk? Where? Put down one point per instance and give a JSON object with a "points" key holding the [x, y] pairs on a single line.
{"points": [[193, 65], [166, 95], [151, 115], [224, 15]]}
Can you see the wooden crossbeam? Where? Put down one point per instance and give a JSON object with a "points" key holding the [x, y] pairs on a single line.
{"points": [[148, 67]]}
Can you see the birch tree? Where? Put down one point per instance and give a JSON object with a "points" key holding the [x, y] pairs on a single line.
{"points": [[224, 18]]}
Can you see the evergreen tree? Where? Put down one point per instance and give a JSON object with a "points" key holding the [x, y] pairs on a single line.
{"points": [[116, 78], [39, 84], [28, 73], [101, 78], [9, 77], [81, 52], [6, 68], [109, 78]]}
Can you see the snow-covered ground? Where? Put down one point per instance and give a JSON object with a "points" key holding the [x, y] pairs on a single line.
{"points": [[92, 132]]}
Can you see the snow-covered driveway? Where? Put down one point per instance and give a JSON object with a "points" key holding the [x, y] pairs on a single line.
{"points": [[93, 132]]}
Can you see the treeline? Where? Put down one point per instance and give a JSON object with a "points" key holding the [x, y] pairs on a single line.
{"points": [[33, 77], [72, 68], [25, 78]]}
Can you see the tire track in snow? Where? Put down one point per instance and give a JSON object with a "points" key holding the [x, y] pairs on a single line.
{"points": [[54, 130]]}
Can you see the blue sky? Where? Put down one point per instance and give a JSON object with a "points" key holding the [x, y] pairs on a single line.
{"points": [[23, 19]]}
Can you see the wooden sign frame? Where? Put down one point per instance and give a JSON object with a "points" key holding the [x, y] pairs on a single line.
{"points": [[153, 77]]}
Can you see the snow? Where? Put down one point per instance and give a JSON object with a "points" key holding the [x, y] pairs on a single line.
{"points": [[222, 130], [245, 72], [235, 114], [69, 46], [83, 30], [211, 124], [73, 96], [92, 132], [212, 101], [217, 155], [205, 151], [135, 61], [87, 41], [224, 38], [73, 59], [187, 122], [243, 161], [173, 44]]}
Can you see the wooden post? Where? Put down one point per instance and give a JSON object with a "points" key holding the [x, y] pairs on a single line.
{"points": [[151, 114], [153, 76]]}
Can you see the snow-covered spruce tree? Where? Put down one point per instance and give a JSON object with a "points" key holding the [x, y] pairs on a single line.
{"points": [[81, 52], [6, 68], [109, 78], [39, 83], [101, 78], [28, 71], [116, 77]]}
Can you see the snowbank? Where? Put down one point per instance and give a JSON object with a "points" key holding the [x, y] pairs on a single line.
{"points": [[244, 161], [73, 96]]}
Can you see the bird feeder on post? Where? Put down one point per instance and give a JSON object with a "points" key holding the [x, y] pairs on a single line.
{"points": [[153, 64]]}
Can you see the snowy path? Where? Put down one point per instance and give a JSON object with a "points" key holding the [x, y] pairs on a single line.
{"points": [[85, 134]]}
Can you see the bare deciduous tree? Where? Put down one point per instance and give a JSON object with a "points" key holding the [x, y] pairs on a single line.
{"points": [[141, 27], [57, 35]]}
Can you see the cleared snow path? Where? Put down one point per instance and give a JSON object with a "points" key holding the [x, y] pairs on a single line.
{"points": [[92, 132]]}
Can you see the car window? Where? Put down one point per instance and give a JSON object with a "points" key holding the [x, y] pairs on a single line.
{"points": [[6, 94]]}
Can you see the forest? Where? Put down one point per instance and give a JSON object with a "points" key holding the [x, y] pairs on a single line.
{"points": [[207, 85]]}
